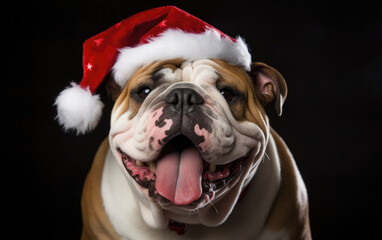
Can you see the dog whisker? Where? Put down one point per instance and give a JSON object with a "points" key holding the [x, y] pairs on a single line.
{"points": [[266, 155], [216, 210]]}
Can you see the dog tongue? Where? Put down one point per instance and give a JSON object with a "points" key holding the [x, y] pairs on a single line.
{"points": [[179, 175]]}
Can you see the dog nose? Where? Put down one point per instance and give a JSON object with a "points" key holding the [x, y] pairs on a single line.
{"points": [[184, 99]]}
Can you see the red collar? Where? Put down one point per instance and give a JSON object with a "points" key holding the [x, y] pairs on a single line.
{"points": [[179, 228]]}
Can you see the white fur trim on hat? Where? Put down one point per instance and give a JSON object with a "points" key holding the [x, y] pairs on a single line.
{"points": [[175, 43], [78, 109]]}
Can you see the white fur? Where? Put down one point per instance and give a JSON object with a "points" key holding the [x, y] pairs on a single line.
{"points": [[78, 109], [178, 44]]}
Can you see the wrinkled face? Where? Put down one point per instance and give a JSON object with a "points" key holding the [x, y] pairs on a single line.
{"points": [[188, 135]]}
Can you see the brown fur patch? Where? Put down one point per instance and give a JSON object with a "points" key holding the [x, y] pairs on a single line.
{"points": [[250, 109], [288, 211]]}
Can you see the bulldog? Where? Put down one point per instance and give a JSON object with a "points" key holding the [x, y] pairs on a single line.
{"points": [[191, 155]]}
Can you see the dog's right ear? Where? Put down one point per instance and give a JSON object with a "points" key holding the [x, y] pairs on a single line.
{"points": [[112, 88], [270, 84]]}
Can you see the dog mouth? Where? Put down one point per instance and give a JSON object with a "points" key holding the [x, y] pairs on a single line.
{"points": [[179, 175]]}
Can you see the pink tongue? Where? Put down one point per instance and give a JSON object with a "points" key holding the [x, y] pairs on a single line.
{"points": [[179, 176]]}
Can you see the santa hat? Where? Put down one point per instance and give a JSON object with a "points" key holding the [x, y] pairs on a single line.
{"points": [[156, 34]]}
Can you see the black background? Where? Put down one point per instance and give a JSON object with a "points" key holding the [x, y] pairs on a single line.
{"points": [[329, 53]]}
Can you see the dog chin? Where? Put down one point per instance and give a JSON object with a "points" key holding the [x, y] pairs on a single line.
{"points": [[214, 180]]}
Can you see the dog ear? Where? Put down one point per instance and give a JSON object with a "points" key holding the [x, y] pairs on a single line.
{"points": [[112, 88], [270, 84]]}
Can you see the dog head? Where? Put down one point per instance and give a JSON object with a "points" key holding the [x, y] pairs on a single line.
{"points": [[189, 136]]}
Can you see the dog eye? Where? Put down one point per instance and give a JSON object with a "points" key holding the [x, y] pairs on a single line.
{"points": [[143, 92], [228, 94]]}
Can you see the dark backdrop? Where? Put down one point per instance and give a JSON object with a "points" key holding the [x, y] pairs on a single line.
{"points": [[329, 53]]}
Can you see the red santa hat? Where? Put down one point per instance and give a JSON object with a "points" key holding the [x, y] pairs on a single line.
{"points": [[156, 34]]}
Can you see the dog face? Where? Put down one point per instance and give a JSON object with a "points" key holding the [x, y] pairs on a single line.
{"points": [[189, 135]]}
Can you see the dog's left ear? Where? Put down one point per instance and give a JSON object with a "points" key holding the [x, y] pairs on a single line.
{"points": [[112, 88], [270, 84]]}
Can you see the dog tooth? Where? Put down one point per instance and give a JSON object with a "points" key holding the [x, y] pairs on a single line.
{"points": [[212, 167], [138, 163], [153, 167]]}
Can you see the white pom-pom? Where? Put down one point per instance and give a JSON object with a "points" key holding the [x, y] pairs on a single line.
{"points": [[78, 109]]}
